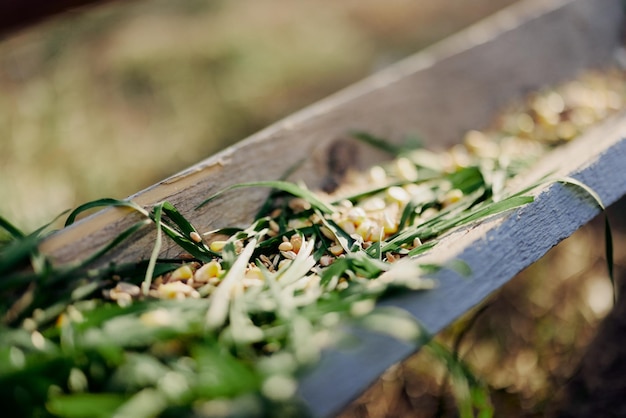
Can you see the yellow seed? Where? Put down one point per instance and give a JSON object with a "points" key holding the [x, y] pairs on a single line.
{"points": [[274, 226], [285, 246], [373, 204], [451, 197], [254, 273], [347, 226], [327, 233], [390, 226], [181, 273], [378, 175], [459, 156], [405, 169], [429, 213], [364, 229], [195, 237], [335, 250], [376, 233], [177, 290], [356, 215], [398, 195], [296, 242], [217, 246], [208, 271], [298, 223]]}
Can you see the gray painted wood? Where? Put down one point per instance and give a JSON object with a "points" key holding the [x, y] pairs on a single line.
{"points": [[495, 250], [439, 93]]}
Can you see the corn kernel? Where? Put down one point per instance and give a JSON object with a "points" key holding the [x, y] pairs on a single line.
{"points": [[208, 271], [376, 233], [176, 290], [328, 233], [254, 273], [405, 169], [181, 273], [378, 175], [398, 195], [451, 197], [364, 229], [356, 215], [217, 246], [390, 226], [347, 226], [335, 250], [373, 204]]}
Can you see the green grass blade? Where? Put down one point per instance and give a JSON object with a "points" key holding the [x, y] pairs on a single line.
{"points": [[181, 232], [290, 188], [17, 253], [100, 203], [156, 249], [10, 228], [495, 208], [608, 235]]}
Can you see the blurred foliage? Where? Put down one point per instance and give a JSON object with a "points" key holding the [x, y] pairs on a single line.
{"points": [[109, 100]]}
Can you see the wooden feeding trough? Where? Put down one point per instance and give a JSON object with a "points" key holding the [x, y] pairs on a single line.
{"points": [[441, 92]]}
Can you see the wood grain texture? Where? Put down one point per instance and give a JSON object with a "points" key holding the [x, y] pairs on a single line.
{"points": [[439, 93]]}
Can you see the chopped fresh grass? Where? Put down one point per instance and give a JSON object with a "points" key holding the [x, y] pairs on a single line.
{"points": [[246, 310]]}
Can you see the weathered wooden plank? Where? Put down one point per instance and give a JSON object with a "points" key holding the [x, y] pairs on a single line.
{"points": [[495, 250], [439, 93]]}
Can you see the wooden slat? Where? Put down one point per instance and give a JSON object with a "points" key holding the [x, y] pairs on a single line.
{"points": [[439, 93], [495, 251]]}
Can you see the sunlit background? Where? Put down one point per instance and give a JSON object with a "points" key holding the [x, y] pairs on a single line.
{"points": [[106, 101]]}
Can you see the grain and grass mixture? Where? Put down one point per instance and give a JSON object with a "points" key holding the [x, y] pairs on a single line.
{"points": [[226, 329]]}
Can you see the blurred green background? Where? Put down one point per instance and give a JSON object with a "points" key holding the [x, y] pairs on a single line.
{"points": [[106, 101]]}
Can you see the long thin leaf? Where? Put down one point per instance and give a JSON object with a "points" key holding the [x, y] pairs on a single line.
{"points": [[156, 249], [608, 235], [10, 228], [100, 203]]}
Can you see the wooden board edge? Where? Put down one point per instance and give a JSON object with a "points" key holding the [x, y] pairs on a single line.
{"points": [[495, 250], [210, 175]]}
